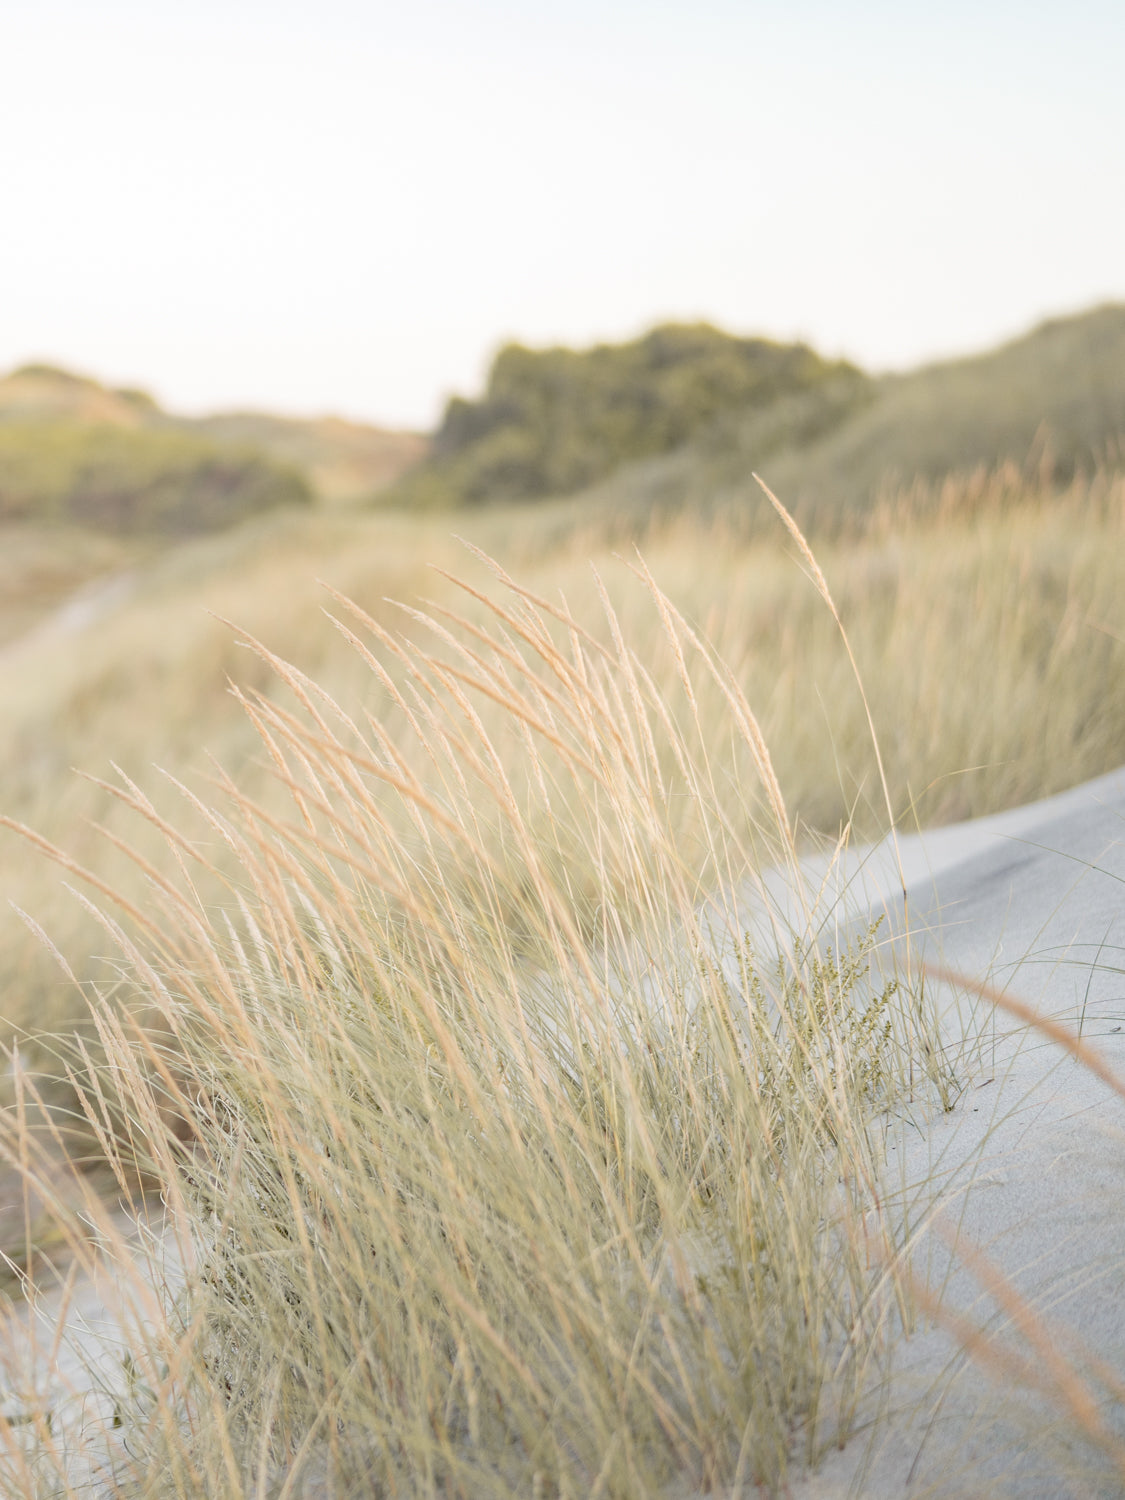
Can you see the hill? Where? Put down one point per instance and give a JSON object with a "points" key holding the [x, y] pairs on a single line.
{"points": [[75, 451], [135, 480], [44, 393], [679, 418], [683, 417], [1052, 400], [1055, 396], [72, 449], [343, 462]]}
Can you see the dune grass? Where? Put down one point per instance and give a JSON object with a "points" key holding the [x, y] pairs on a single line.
{"points": [[970, 607], [968, 610], [533, 1139]]}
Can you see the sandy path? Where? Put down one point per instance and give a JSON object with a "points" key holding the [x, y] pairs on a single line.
{"points": [[85, 607]]}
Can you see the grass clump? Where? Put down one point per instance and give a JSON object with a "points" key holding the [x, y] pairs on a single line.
{"points": [[532, 1131]]}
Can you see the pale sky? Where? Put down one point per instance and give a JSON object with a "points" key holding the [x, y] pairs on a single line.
{"points": [[347, 206]]}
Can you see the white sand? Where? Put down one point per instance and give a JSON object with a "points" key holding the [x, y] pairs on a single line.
{"points": [[1033, 900], [65, 1353]]}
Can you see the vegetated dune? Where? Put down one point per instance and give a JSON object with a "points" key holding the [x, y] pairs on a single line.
{"points": [[73, 450], [831, 439], [135, 481], [1054, 397], [346, 463], [44, 393], [679, 418]]}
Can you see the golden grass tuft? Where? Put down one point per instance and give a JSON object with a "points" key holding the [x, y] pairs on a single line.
{"points": [[533, 1139]]}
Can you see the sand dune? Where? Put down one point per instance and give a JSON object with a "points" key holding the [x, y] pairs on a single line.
{"points": [[1028, 1168]]}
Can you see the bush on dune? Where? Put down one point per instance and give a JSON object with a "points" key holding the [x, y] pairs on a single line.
{"points": [[555, 420]]}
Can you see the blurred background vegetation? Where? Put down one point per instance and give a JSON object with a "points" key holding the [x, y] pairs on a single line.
{"points": [[553, 421], [681, 417], [75, 451], [676, 420]]}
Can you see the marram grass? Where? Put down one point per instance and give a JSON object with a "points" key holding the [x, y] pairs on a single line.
{"points": [[968, 609], [524, 1139]]}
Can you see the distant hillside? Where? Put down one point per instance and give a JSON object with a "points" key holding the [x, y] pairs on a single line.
{"points": [[678, 418], [1055, 398], [72, 449], [344, 462], [684, 416], [44, 393], [553, 421]]}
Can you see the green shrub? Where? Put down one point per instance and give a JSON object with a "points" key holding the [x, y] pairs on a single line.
{"points": [[554, 420]]}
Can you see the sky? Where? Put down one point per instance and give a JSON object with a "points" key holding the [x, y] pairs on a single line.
{"points": [[348, 206]]}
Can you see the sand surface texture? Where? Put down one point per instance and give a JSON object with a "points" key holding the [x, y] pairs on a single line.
{"points": [[1028, 1168]]}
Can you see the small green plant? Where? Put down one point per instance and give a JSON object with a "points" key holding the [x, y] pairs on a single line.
{"points": [[830, 1025]]}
